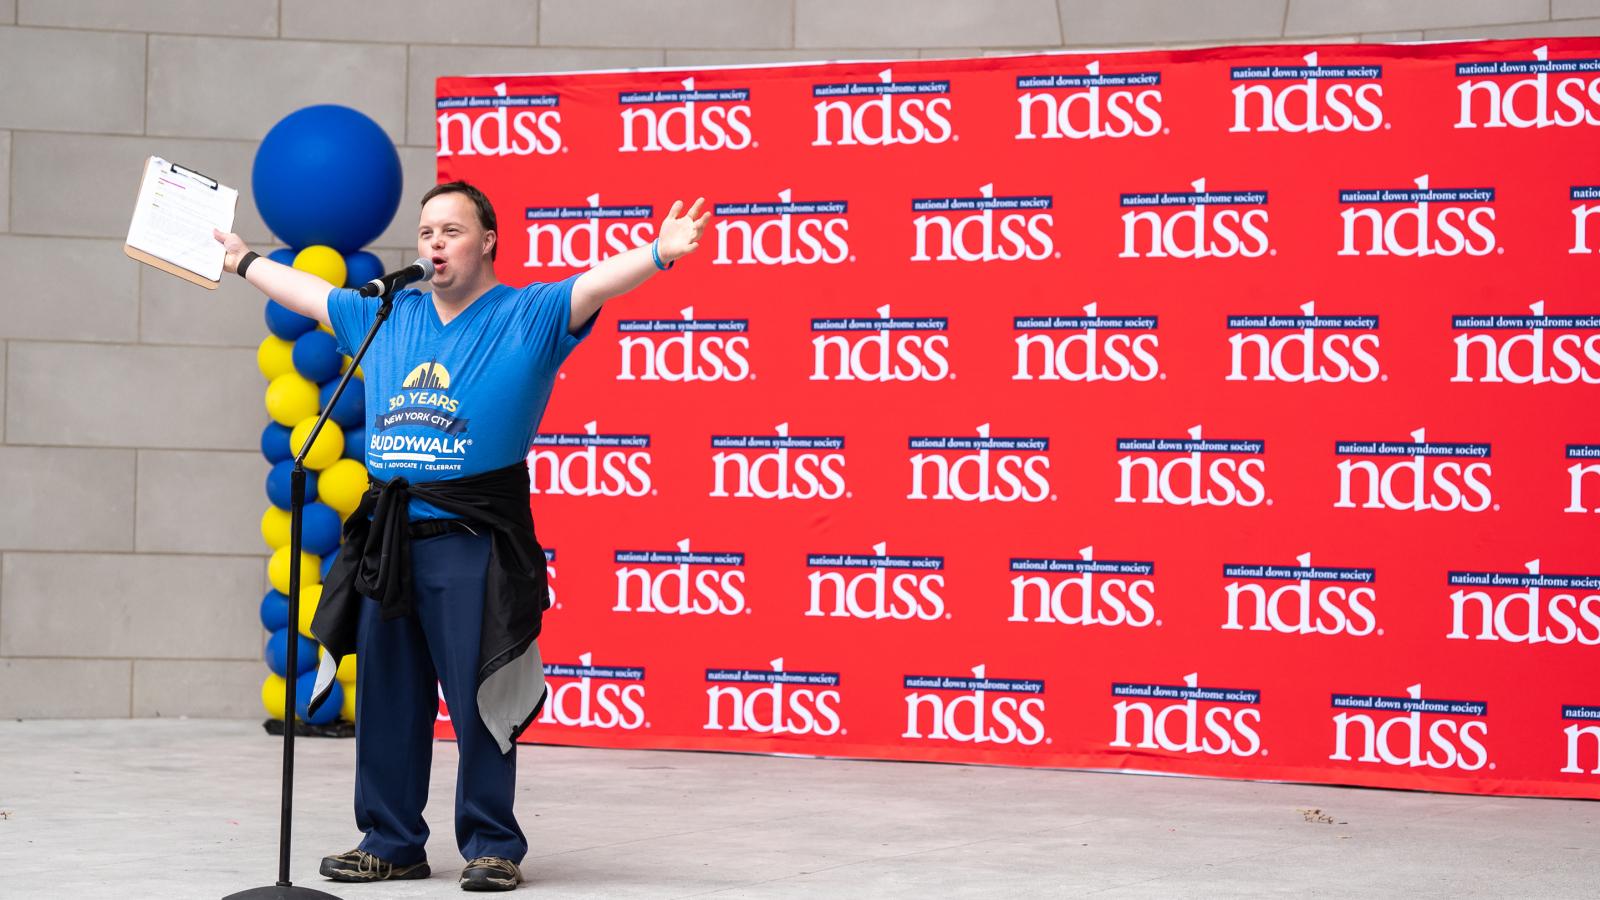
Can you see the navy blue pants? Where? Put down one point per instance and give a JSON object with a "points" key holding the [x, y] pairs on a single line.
{"points": [[398, 665]]}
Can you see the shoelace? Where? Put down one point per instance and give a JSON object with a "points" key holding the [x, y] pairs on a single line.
{"points": [[366, 862], [496, 863]]}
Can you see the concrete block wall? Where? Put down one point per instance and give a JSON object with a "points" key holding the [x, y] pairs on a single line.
{"points": [[130, 405]]}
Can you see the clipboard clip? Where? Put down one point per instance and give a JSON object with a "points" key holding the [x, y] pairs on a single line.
{"points": [[197, 176]]}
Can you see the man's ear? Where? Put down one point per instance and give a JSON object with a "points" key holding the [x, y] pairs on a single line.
{"points": [[490, 239]]}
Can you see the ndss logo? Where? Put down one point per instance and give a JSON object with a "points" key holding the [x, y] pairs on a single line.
{"points": [[684, 349], [1188, 718], [577, 237], [1307, 99], [589, 696], [778, 466], [1090, 347], [880, 586], [1580, 762], [1193, 471], [1089, 106], [887, 348], [1420, 221], [1528, 349], [1419, 476], [1525, 607], [883, 112], [1584, 478], [680, 582], [985, 228], [1084, 591], [786, 233], [1301, 599], [975, 710], [590, 464], [1582, 212], [1304, 348], [1197, 224], [1529, 93], [772, 701], [500, 124], [980, 469], [687, 120], [1411, 731]]}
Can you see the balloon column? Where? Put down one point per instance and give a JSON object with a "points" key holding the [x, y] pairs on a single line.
{"points": [[327, 181]]}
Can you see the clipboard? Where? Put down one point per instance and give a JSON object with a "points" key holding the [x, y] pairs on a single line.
{"points": [[166, 229]]}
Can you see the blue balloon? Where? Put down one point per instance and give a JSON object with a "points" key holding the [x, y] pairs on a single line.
{"points": [[355, 444], [279, 482], [319, 529], [277, 653], [352, 403], [327, 563], [361, 268], [274, 611], [316, 356], [327, 175], [285, 322], [275, 442], [283, 255], [329, 710]]}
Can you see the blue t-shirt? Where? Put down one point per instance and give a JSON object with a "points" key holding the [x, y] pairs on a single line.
{"points": [[449, 400]]}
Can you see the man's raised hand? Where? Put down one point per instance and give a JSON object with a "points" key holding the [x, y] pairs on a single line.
{"points": [[680, 231], [233, 249]]}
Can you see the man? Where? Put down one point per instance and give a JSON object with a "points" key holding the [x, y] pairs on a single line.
{"points": [[441, 579]]}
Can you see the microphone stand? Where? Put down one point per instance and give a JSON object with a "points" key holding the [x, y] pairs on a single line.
{"points": [[284, 889]]}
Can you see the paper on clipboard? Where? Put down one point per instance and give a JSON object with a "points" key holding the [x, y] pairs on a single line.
{"points": [[173, 217]]}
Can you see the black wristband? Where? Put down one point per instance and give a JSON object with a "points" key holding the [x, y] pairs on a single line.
{"points": [[245, 261]]}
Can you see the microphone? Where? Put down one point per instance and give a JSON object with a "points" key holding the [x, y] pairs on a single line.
{"points": [[421, 270]]}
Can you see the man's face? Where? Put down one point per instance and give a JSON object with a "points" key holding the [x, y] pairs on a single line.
{"points": [[449, 234]]}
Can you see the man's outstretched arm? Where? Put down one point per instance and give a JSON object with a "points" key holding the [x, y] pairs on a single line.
{"points": [[678, 236], [300, 291]]}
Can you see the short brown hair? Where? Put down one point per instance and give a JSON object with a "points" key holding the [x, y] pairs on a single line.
{"points": [[486, 216]]}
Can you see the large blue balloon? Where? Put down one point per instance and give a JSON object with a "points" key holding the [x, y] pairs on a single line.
{"points": [[316, 356], [330, 707], [352, 405], [355, 444], [319, 529], [275, 442], [285, 322], [274, 611], [283, 256], [279, 481], [277, 653], [327, 175], [361, 268]]}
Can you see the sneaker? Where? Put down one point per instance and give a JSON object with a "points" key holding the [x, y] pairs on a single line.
{"points": [[359, 865], [490, 873]]}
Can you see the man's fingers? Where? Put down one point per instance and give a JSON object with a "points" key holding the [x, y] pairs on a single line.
{"points": [[700, 222], [677, 207], [695, 209]]}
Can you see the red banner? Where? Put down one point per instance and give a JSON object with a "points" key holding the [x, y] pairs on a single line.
{"points": [[1227, 412]]}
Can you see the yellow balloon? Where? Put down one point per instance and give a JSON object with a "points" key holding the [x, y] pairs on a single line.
{"points": [[327, 329], [275, 527], [348, 710], [341, 485], [323, 262], [278, 569], [275, 357], [291, 398], [347, 672], [327, 449], [272, 696], [310, 596]]}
